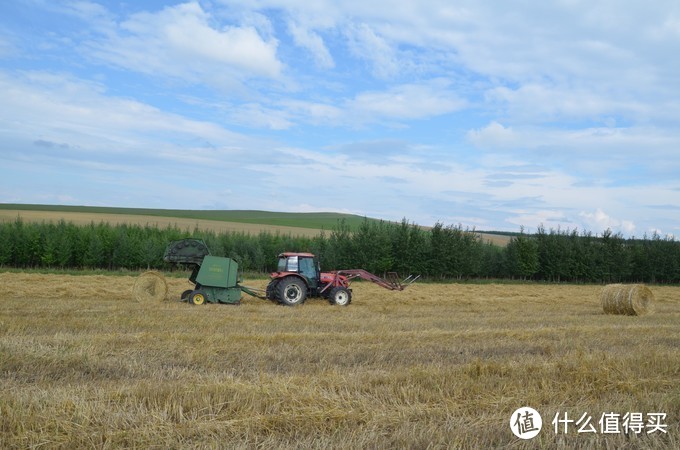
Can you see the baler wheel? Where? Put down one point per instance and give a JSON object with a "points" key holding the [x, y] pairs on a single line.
{"points": [[292, 291], [185, 295], [340, 296], [198, 298]]}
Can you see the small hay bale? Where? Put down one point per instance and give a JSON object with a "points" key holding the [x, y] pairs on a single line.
{"points": [[150, 286], [627, 299]]}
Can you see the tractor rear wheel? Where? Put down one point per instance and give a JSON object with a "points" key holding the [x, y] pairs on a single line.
{"points": [[198, 298], [340, 296], [292, 291]]}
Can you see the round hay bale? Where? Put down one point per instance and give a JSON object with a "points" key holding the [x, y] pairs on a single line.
{"points": [[150, 286], [627, 299]]}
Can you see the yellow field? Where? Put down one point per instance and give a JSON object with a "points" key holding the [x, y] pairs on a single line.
{"points": [[218, 226], [83, 365]]}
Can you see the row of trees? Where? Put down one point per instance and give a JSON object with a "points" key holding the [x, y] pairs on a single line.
{"points": [[442, 252], [558, 255]]}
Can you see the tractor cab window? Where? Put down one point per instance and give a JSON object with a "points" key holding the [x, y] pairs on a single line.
{"points": [[289, 264], [307, 268]]}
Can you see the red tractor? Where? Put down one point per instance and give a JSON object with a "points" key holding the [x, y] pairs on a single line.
{"points": [[299, 276]]}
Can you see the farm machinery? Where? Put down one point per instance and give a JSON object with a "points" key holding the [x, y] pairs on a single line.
{"points": [[297, 277]]}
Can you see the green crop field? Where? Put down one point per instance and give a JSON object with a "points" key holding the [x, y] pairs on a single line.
{"points": [[83, 365]]}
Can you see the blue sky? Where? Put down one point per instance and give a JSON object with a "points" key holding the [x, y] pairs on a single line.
{"points": [[494, 115]]}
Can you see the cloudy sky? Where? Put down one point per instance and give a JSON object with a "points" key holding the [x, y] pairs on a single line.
{"points": [[490, 114]]}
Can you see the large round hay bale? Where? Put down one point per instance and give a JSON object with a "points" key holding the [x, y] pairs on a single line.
{"points": [[627, 299], [150, 286]]}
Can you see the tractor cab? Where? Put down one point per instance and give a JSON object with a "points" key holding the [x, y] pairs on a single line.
{"points": [[301, 263]]}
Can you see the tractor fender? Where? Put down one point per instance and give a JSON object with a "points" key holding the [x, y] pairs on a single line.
{"points": [[278, 276]]}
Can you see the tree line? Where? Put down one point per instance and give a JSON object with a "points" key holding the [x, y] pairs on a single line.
{"points": [[441, 252]]}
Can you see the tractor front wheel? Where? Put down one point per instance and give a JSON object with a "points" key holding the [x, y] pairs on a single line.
{"points": [[198, 298], [292, 291], [340, 296]]}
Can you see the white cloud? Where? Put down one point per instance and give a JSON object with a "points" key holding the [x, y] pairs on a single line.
{"points": [[597, 221], [408, 101], [182, 41], [601, 221], [532, 219], [587, 150], [395, 105], [49, 107], [93, 13], [315, 112], [311, 41], [493, 135], [543, 102], [373, 48], [258, 116]]}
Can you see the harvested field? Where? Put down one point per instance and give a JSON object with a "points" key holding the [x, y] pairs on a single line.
{"points": [[83, 364]]}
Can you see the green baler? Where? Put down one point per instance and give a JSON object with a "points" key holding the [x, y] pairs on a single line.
{"points": [[215, 278]]}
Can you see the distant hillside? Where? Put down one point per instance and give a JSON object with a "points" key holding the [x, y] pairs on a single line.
{"points": [[249, 221], [320, 220]]}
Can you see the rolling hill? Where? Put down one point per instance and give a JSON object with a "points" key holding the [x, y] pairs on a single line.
{"points": [[249, 221]]}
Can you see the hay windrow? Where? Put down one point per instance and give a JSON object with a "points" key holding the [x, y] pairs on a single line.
{"points": [[150, 286], [51, 286], [627, 299]]}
